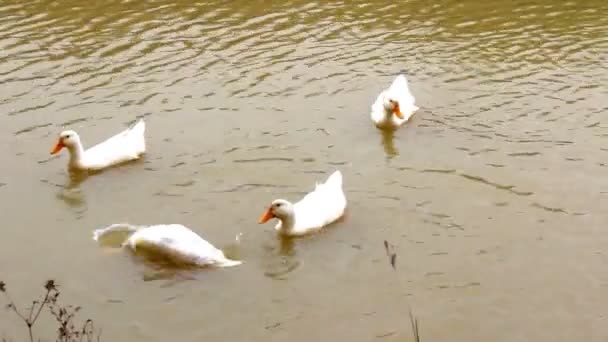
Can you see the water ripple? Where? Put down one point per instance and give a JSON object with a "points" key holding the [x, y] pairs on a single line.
{"points": [[514, 82]]}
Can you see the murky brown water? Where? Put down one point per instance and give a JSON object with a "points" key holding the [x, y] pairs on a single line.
{"points": [[494, 196]]}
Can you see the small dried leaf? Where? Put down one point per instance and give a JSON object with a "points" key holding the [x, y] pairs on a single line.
{"points": [[50, 285], [394, 260], [2, 286]]}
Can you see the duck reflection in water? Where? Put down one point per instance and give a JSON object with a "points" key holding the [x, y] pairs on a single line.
{"points": [[388, 143], [70, 193]]}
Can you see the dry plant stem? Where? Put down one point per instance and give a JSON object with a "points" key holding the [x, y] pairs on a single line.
{"points": [[414, 322], [29, 321], [64, 315], [392, 256]]}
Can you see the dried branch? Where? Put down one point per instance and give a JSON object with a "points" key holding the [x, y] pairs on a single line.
{"points": [[392, 256], [64, 316]]}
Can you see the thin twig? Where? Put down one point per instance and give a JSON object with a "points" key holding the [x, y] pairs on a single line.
{"points": [[392, 256], [12, 306], [29, 330], [44, 302], [64, 315], [414, 322]]}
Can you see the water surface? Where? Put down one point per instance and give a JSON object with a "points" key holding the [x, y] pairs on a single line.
{"points": [[494, 195]]}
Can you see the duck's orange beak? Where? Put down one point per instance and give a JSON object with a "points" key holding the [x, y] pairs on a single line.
{"points": [[266, 216], [397, 111], [58, 147]]}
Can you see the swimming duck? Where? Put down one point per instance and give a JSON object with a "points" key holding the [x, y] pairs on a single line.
{"points": [[324, 205], [127, 145], [394, 105]]}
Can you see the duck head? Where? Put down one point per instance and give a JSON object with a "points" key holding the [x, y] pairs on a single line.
{"points": [[280, 209], [67, 139], [392, 106]]}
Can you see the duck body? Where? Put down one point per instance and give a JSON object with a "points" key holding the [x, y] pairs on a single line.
{"points": [[319, 208], [173, 242], [394, 106], [125, 146]]}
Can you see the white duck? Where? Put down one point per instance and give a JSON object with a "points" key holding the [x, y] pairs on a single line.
{"points": [[324, 205], [127, 145], [172, 242], [394, 105]]}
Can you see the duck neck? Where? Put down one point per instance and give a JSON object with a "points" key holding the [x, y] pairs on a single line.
{"points": [[388, 111], [287, 223], [76, 154], [388, 114]]}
